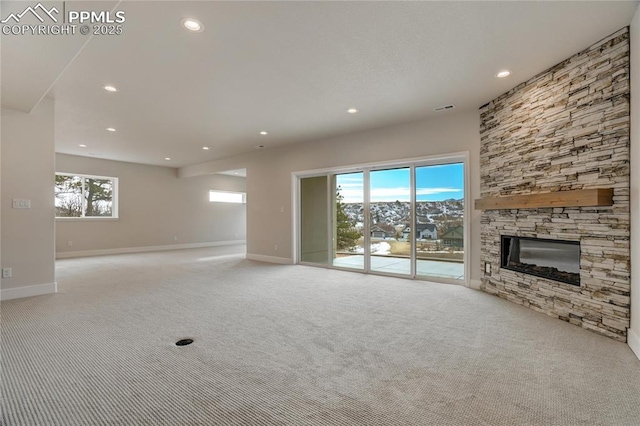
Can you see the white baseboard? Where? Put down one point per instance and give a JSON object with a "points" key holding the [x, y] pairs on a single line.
{"points": [[125, 250], [28, 291], [475, 284], [270, 259], [633, 340]]}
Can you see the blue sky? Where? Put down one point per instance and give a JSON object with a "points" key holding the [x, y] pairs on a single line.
{"points": [[433, 183]]}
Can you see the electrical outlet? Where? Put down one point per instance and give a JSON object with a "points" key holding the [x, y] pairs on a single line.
{"points": [[281, 209], [6, 272], [69, 243], [275, 247], [175, 238], [487, 267]]}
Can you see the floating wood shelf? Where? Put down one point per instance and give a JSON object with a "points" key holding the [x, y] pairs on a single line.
{"points": [[577, 198]]}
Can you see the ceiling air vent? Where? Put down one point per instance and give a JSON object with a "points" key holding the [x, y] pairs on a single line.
{"points": [[445, 108]]}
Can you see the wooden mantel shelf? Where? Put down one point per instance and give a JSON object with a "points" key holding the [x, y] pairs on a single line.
{"points": [[577, 198]]}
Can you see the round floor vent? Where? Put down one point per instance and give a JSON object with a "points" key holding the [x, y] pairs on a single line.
{"points": [[184, 342]]}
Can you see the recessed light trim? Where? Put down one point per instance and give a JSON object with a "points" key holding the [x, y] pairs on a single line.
{"points": [[82, 145], [192, 25], [263, 133], [352, 110], [206, 148], [110, 88], [503, 74], [110, 129], [259, 147], [167, 158]]}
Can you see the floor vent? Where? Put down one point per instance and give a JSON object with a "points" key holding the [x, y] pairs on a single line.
{"points": [[184, 342], [444, 108]]}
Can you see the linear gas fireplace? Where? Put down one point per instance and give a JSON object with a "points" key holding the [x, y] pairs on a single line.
{"points": [[552, 259]]}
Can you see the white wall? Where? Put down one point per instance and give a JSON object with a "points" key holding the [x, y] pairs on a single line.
{"points": [[634, 332], [154, 207], [269, 172], [28, 173]]}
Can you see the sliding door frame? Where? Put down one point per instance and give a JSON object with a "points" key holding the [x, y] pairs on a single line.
{"points": [[366, 168], [411, 273]]}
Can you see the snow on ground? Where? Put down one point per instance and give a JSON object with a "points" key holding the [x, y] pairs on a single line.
{"points": [[381, 248]]}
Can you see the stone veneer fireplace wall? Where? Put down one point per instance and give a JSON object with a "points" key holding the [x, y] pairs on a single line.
{"points": [[567, 128]]}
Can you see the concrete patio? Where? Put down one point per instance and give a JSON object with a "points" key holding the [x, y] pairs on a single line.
{"points": [[401, 265]]}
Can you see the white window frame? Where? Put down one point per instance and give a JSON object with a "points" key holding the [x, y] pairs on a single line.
{"points": [[217, 191], [114, 201]]}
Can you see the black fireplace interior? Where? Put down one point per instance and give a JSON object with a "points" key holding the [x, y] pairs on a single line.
{"points": [[552, 259]]}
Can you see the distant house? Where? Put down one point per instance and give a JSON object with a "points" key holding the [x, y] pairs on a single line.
{"points": [[380, 230], [406, 231], [426, 231], [454, 237]]}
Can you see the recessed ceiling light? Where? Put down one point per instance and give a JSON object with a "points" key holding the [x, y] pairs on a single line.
{"points": [[110, 88], [192, 25], [82, 145], [352, 110], [236, 173], [111, 129], [503, 74], [206, 148], [259, 146], [167, 158], [263, 133]]}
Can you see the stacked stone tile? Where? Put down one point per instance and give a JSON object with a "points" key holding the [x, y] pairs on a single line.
{"points": [[567, 128]]}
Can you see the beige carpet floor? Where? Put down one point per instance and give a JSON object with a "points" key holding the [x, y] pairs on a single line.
{"points": [[295, 345]]}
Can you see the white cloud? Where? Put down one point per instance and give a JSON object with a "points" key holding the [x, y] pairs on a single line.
{"points": [[343, 178], [354, 195], [430, 191]]}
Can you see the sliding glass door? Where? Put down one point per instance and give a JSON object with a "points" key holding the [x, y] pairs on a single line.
{"points": [[406, 220], [389, 216], [348, 220], [439, 225], [314, 220]]}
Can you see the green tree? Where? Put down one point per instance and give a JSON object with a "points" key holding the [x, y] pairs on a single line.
{"points": [[347, 234], [98, 192], [69, 191]]}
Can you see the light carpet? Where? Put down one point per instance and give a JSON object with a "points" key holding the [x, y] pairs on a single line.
{"points": [[295, 345]]}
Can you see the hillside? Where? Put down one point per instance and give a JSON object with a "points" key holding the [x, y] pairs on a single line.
{"points": [[398, 214]]}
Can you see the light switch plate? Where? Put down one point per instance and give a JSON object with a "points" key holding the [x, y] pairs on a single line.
{"points": [[19, 203], [487, 267], [6, 272]]}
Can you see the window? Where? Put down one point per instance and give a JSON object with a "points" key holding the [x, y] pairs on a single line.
{"points": [[227, 197], [82, 196], [404, 218]]}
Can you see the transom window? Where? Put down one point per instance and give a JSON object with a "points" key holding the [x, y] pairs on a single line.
{"points": [[85, 196], [227, 197]]}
